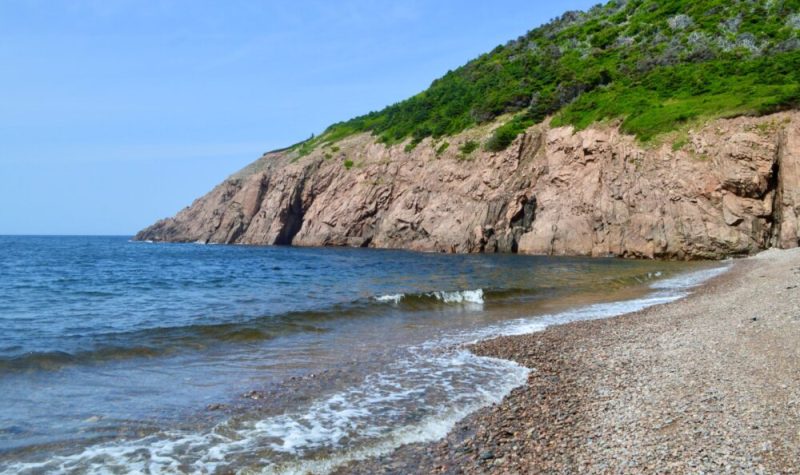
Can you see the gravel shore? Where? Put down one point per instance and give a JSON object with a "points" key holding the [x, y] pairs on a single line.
{"points": [[708, 384]]}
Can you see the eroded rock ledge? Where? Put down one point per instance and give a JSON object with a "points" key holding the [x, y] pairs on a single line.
{"points": [[731, 188]]}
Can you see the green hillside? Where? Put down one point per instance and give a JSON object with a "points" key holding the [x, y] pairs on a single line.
{"points": [[653, 64]]}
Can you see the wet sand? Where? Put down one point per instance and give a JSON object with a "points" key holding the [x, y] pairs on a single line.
{"points": [[710, 383]]}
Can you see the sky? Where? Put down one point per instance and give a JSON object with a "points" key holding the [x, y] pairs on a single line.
{"points": [[116, 113]]}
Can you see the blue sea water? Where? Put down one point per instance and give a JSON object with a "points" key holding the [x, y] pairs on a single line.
{"points": [[131, 356]]}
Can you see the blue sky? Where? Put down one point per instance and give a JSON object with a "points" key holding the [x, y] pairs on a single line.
{"points": [[115, 113]]}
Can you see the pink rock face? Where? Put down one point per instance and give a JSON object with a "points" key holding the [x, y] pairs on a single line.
{"points": [[732, 190]]}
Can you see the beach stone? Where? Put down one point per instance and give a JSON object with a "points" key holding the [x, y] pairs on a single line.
{"points": [[687, 389]]}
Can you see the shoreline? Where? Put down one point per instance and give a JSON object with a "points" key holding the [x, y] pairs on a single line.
{"points": [[710, 382], [402, 391]]}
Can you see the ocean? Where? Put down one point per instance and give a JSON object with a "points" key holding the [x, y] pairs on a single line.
{"points": [[120, 356]]}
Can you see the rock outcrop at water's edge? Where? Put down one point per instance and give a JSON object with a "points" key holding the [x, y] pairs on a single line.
{"points": [[731, 187]]}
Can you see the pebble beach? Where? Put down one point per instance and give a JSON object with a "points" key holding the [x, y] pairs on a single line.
{"points": [[707, 384]]}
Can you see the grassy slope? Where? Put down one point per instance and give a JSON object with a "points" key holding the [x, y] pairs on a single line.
{"points": [[654, 64]]}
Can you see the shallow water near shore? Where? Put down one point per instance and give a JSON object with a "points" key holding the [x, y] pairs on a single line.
{"points": [[129, 356]]}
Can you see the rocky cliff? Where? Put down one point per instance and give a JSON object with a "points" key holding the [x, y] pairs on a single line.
{"points": [[727, 188]]}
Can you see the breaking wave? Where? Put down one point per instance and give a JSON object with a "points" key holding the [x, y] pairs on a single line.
{"points": [[458, 296]]}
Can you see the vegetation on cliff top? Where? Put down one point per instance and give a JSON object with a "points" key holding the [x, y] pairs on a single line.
{"points": [[654, 64]]}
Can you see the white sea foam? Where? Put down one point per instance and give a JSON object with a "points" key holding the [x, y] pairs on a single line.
{"points": [[463, 296], [457, 296], [684, 282], [665, 291], [392, 298], [417, 398]]}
